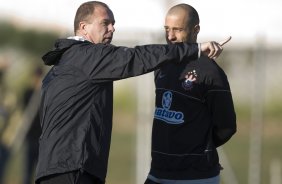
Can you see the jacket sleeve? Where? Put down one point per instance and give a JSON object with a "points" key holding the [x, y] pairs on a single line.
{"points": [[220, 103], [109, 63]]}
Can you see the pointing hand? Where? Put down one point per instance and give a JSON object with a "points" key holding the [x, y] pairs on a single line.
{"points": [[213, 49]]}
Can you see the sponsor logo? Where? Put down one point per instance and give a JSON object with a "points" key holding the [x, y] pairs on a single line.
{"points": [[162, 75], [190, 78], [167, 115]]}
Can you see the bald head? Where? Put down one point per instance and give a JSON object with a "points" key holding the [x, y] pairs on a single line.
{"points": [[187, 13], [181, 24]]}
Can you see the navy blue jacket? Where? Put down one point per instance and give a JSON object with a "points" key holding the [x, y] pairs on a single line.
{"points": [[194, 114]]}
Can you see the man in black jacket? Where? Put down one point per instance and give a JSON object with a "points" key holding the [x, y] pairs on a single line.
{"points": [[77, 94], [194, 111]]}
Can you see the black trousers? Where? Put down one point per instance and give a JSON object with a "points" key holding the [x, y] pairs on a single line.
{"points": [[74, 177], [148, 181]]}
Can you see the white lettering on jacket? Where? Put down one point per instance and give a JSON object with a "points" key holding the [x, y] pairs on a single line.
{"points": [[166, 115]]}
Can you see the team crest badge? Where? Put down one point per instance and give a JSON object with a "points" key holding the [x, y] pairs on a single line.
{"points": [[190, 78]]}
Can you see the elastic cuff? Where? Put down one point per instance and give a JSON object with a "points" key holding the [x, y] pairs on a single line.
{"points": [[199, 50]]}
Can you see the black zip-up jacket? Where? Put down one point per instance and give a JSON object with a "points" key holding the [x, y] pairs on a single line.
{"points": [[77, 100], [194, 114]]}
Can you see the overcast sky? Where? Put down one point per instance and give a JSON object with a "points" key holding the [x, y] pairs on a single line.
{"points": [[245, 20]]}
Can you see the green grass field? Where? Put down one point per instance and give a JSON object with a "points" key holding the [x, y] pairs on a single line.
{"points": [[122, 156]]}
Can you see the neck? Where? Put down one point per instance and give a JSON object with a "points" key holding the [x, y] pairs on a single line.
{"points": [[77, 37]]}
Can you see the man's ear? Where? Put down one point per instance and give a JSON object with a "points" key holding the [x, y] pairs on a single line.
{"points": [[197, 29], [83, 27]]}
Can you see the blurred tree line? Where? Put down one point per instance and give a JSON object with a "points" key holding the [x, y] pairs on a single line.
{"points": [[32, 41], [21, 50]]}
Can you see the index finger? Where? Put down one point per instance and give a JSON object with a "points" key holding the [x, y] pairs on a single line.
{"points": [[225, 41]]}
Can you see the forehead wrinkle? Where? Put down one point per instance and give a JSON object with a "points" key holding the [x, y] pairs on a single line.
{"points": [[176, 21]]}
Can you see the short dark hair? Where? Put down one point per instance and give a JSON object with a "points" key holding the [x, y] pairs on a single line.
{"points": [[84, 12]]}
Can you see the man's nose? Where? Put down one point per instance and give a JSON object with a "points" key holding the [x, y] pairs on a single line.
{"points": [[111, 28], [171, 35]]}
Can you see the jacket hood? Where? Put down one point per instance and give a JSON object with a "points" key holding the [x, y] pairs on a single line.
{"points": [[61, 46]]}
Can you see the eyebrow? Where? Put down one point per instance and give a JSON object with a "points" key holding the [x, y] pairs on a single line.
{"points": [[109, 21], [166, 27]]}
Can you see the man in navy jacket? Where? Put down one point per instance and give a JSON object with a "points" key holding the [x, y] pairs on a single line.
{"points": [[194, 111]]}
